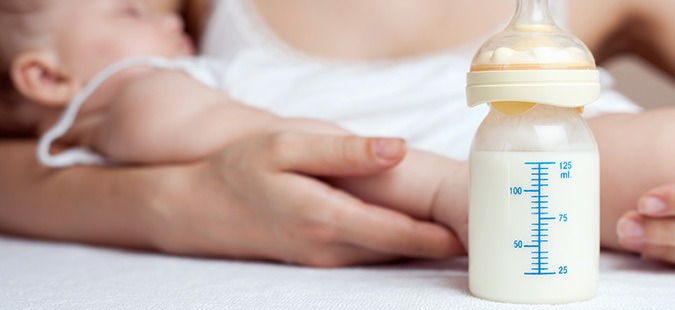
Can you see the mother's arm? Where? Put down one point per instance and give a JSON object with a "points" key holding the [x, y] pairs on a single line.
{"points": [[249, 202], [89, 204]]}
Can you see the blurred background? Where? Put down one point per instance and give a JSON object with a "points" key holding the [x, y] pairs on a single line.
{"points": [[642, 82]]}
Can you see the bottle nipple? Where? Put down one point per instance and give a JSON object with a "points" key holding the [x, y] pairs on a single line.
{"points": [[532, 41], [532, 60]]}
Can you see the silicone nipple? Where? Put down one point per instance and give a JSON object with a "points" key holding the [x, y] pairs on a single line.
{"points": [[532, 60], [532, 41]]}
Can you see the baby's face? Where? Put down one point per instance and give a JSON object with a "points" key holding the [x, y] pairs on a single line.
{"points": [[93, 34]]}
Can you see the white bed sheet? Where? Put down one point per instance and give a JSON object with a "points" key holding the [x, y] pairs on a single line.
{"points": [[44, 275]]}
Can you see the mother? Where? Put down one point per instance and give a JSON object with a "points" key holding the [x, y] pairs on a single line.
{"points": [[257, 199]]}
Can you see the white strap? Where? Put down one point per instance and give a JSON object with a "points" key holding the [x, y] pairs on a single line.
{"points": [[78, 155]]}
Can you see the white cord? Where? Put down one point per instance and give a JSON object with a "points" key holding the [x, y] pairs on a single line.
{"points": [[79, 155]]}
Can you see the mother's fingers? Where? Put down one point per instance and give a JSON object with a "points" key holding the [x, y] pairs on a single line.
{"points": [[658, 202], [334, 155], [288, 216], [333, 216], [392, 232]]}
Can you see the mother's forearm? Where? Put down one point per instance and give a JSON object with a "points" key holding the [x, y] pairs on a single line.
{"points": [[84, 204], [636, 152]]}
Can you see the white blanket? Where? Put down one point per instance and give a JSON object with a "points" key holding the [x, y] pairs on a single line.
{"points": [[43, 275]]}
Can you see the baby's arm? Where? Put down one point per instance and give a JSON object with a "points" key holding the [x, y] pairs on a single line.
{"points": [[165, 116], [636, 152], [424, 185]]}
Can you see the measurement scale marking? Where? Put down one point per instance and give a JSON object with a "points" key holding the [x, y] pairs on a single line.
{"points": [[539, 171]]}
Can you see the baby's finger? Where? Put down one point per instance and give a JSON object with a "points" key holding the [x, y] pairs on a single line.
{"points": [[652, 237], [658, 202], [659, 231], [631, 232]]}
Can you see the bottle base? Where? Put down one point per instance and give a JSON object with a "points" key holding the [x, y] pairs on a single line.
{"points": [[556, 299]]}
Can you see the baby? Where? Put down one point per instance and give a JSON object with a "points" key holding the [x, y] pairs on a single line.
{"points": [[163, 110]]}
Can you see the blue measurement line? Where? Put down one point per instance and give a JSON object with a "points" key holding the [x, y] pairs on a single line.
{"points": [[539, 201]]}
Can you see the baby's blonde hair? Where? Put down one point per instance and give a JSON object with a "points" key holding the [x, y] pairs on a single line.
{"points": [[22, 28], [22, 25]]}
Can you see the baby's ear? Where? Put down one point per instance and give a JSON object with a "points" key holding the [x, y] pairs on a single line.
{"points": [[38, 77]]}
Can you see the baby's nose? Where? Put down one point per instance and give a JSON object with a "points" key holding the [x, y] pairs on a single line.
{"points": [[172, 22]]}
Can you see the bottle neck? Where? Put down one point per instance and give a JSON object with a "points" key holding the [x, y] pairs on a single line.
{"points": [[517, 108], [532, 13]]}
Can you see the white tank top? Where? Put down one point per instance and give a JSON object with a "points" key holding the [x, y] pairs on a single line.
{"points": [[420, 99]]}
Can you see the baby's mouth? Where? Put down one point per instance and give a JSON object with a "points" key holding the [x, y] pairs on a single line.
{"points": [[186, 45]]}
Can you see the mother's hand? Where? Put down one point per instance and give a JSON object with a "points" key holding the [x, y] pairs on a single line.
{"points": [[255, 200], [651, 230]]}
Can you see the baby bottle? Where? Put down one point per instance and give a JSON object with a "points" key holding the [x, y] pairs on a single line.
{"points": [[534, 166]]}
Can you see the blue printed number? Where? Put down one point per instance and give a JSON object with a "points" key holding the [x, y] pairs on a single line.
{"points": [[562, 270], [562, 217], [517, 244]]}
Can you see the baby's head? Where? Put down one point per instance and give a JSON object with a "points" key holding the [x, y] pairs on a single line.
{"points": [[23, 30], [50, 49]]}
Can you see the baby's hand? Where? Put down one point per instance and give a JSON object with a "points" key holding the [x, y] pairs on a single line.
{"points": [[450, 206], [650, 230]]}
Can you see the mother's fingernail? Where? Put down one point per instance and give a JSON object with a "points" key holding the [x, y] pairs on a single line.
{"points": [[651, 205], [389, 148]]}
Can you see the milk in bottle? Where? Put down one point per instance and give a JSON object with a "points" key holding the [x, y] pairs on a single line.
{"points": [[534, 167]]}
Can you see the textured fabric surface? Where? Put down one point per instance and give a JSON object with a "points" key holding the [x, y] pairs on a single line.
{"points": [[43, 275]]}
